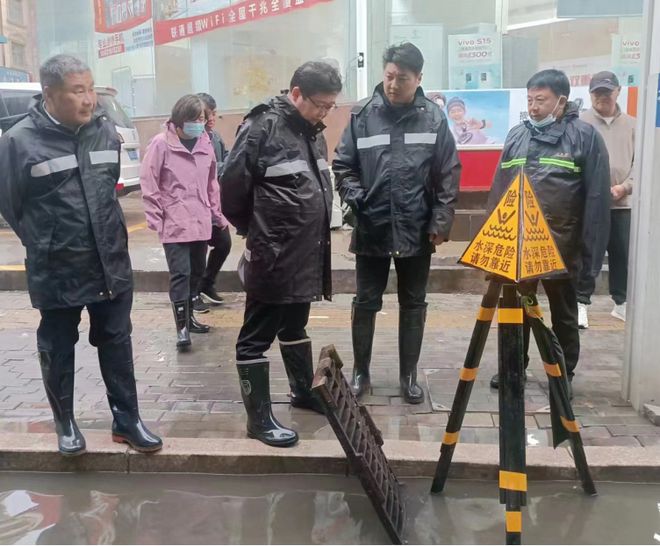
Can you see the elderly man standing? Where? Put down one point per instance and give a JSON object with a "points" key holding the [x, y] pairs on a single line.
{"points": [[618, 131], [397, 168], [60, 165]]}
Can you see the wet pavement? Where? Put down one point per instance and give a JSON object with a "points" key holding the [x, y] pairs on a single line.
{"points": [[187, 509], [196, 395]]}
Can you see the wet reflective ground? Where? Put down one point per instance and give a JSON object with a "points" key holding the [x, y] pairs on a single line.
{"points": [[194, 509]]}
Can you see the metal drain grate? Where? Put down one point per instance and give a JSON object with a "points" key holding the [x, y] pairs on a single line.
{"points": [[361, 441]]}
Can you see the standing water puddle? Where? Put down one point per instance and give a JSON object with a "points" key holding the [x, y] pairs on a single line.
{"points": [[203, 509]]}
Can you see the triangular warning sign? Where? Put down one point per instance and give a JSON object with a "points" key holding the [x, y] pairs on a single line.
{"points": [[515, 241]]}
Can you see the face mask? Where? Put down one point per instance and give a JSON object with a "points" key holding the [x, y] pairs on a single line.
{"points": [[547, 120], [193, 129]]}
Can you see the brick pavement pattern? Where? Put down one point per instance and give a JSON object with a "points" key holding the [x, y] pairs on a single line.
{"points": [[196, 394]]}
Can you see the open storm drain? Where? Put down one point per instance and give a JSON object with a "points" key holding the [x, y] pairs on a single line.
{"points": [[361, 441]]}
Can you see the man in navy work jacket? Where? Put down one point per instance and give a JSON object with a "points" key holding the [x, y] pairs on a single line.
{"points": [[60, 165], [568, 166], [397, 168]]}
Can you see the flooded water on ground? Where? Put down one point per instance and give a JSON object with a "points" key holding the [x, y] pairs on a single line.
{"points": [[202, 509]]}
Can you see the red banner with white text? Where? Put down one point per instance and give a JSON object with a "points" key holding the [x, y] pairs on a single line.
{"points": [[122, 26], [178, 24], [120, 15]]}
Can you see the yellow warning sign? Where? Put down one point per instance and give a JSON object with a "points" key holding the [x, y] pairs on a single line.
{"points": [[515, 241], [539, 255]]}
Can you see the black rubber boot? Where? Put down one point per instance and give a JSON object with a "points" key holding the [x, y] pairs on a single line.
{"points": [[363, 325], [411, 333], [116, 359], [57, 372], [194, 326], [261, 423], [298, 363], [181, 310]]}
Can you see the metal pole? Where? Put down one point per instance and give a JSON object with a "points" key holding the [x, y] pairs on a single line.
{"points": [[466, 380], [513, 479]]}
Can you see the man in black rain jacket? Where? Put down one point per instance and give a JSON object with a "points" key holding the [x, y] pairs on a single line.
{"points": [[276, 190], [567, 164], [60, 165], [397, 168]]}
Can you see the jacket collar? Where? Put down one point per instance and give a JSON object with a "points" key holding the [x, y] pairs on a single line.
{"points": [[617, 113], [556, 131], [43, 120], [380, 100], [282, 105]]}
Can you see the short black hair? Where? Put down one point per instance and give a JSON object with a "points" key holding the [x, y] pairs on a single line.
{"points": [[208, 100], [316, 77], [405, 55], [187, 108], [552, 79]]}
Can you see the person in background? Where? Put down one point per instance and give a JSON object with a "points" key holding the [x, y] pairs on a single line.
{"points": [[618, 130], [567, 164], [220, 241], [181, 197], [276, 190], [397, 168], [60, 166]]}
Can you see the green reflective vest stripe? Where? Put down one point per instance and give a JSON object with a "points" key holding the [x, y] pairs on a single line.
{"points": [[559, 163], [516, 162]]}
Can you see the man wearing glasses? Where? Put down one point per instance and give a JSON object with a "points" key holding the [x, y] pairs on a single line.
{"points": [[397, 168], [276, 191]]}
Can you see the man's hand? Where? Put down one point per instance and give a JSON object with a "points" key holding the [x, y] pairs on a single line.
{"points": [[618, 192], [436, 240]]}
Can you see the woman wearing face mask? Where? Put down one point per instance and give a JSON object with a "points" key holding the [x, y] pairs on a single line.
{"points": [[181, 201]]}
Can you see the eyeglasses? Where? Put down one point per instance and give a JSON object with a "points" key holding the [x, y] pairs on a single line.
{"points": [[324, 107]]}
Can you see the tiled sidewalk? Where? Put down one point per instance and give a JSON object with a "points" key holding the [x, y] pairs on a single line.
{"points": [[197, 394]]}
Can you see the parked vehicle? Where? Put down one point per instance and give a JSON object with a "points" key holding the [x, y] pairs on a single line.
{"points": [[14, 102]]}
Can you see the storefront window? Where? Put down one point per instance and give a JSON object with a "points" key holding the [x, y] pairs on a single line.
{"points": [[153, 51], [240, 52]]}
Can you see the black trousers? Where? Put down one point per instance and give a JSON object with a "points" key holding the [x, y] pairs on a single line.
{"points": [[372, 274], [263, 322], [562, 297], [220, 244], [617, 256], [186, 262], [110, 324]]}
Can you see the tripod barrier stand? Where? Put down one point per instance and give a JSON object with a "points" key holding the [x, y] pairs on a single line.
{"points": [[512, 475]]}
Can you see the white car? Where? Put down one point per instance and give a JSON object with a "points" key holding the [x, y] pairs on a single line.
{"points": [[15, 99]]}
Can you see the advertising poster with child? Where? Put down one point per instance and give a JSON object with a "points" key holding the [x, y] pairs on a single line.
{"points": [[475, 117]]}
